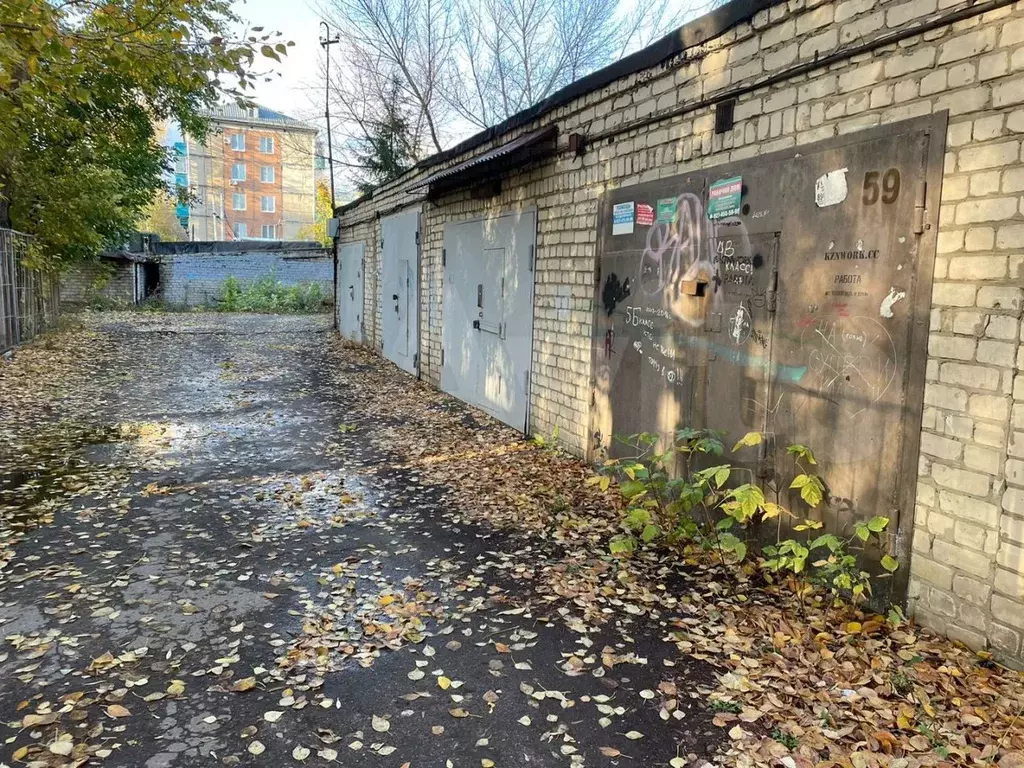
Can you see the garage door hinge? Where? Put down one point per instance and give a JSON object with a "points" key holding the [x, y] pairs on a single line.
{"points": [[526, 382], [444, 257], [533, 255], [442, 358], [597, 275], [417, 237], [919, 199], [772, 296]]}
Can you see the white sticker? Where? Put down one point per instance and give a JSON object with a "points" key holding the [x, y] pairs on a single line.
{"points": [[886, 309], [622, 219], [830, 189]]}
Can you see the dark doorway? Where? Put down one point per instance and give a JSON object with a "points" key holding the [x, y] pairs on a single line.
{"points": [[150, 279]]}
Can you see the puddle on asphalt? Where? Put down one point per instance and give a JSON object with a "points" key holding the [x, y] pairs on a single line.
{"points": [[66, 460]]}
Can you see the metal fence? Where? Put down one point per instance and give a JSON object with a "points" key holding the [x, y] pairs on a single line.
{"points": [[29, 299]]}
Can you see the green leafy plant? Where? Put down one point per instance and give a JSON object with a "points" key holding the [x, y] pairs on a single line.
{"points": [[269, 295], [689, 506], [672, 498], [787, 740], [548, 443], [834, 566]]}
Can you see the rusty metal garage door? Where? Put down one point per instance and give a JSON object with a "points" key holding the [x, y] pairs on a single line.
{"points": [[788, 294]]}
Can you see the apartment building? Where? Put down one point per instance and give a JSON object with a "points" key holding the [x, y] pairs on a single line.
{"points": [[252, 177]]}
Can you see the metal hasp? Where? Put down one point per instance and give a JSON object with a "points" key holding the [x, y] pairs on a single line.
{"points": [[400, 280], [487, 283], [787, 294], [350, 291]]}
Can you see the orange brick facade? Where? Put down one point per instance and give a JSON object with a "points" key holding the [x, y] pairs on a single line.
{"points": [[246, 188], [254, 189]]}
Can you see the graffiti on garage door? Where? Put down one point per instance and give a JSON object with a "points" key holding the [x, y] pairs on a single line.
{"points": [[786, 294]]}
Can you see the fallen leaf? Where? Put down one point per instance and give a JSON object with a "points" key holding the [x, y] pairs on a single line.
{"points": [[245, 684]]}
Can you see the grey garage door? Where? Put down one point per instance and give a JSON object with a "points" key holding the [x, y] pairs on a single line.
{"points": [[487, 333], [400, 288], [350, 291]]}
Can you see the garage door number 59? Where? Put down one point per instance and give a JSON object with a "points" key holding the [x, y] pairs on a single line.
{"points": [[890, 188]]}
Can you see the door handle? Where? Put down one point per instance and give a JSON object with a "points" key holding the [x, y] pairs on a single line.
{"points": [[476, 324], [480, 295], [394, 297]]}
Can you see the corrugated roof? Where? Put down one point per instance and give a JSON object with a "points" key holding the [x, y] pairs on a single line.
{"points": [[257, 115], [523, 142]]}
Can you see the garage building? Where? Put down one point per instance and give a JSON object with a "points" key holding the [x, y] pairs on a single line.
{"points": [[802, 218]]}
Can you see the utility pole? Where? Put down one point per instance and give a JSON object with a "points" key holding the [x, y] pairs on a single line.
{"points": [[326, 42]]}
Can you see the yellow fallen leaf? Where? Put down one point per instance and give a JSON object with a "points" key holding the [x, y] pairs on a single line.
{"points": [[245, 684], [444, 683], [116, 710]]}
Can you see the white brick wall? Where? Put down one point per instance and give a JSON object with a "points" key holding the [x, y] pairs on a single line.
{"points": [[104, 279], [967, 564], [193, 279]]}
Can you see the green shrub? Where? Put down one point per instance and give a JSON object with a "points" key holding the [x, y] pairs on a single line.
{"points": [[268, 294], [668, 502]]}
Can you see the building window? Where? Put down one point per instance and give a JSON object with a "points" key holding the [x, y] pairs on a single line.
{"points": [[266, 173], [240, 231], [266, 144], [238, 201], [238, 141], [238, 171], [269, 231], [267, 203]]}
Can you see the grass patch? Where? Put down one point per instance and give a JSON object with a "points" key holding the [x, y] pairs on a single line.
{"points": [[269, 294]]}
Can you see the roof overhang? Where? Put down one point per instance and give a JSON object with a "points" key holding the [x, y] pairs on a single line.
{"points": [[487, 166]]}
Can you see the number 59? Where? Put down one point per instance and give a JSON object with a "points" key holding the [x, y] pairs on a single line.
{"points": [[890, 189]]}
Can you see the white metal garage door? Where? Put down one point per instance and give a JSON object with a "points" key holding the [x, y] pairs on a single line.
{"points": [[350, 291], [400, 288], [487, 334]]}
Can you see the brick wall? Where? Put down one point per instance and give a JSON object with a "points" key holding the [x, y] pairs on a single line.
{"points": [[105, 280], [968, 556], [195, 279]]}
